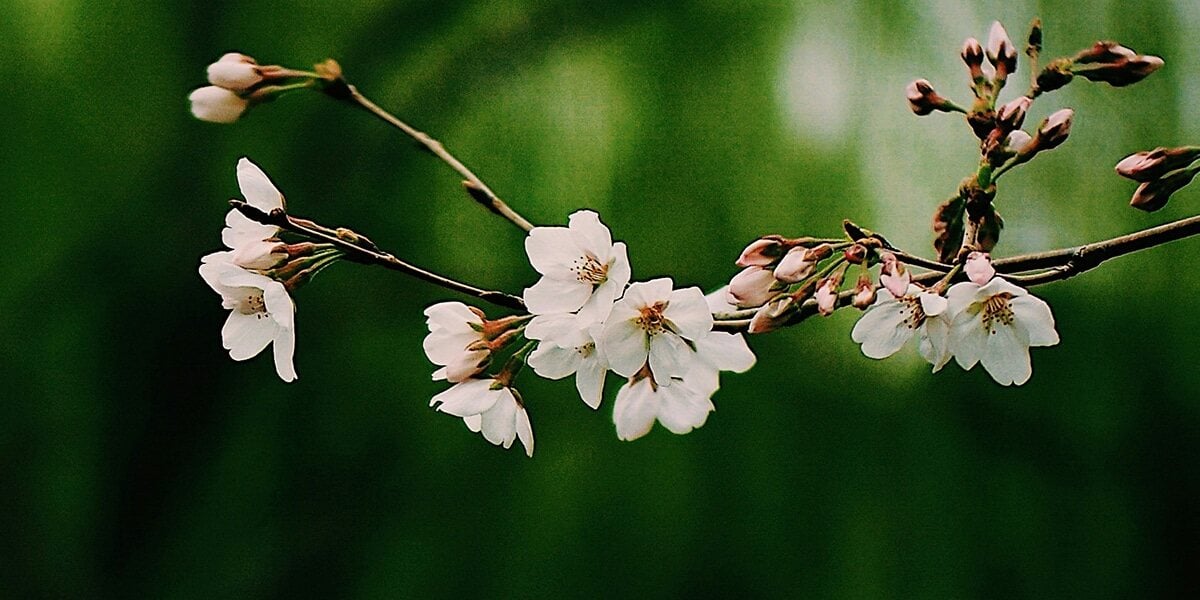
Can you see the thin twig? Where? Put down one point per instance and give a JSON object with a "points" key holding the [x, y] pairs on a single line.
{"points": [[362, 250], [475, 187]]}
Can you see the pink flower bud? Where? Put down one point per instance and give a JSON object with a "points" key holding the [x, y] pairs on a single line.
{"points": [[795, 266], [1012, 115], [979, 268], [1054, 130], [1123, 72], [753, 286], [1104, 51], [772, 316], [922, 99], [864, 292], [1017, 141], [894, 276], [855, 254], [762, 252], [827, 294], [234, 72], [217, 105], [260, 255], [972, 54], [1153, 195], [1000, 51], [1148, 166]]}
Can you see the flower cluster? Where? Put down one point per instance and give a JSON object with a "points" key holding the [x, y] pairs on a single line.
{"points": [[586, 319], [257, 273]]}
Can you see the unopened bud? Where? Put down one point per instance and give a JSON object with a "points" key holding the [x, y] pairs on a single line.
{"points": [[772, 316], [762, 252], [1053, 131], [1153, 195], [1124, 72], [893, 275], [217, 104], [922, 99], [979, 268], [1012, 115], [753, 286], [1104, 51], [800, 262], [1055, 75], [864, 292], [1000, 51], [1017, 141], [855, 254], [235, 72], [972, 55], [1148, 166], [827, 294]]}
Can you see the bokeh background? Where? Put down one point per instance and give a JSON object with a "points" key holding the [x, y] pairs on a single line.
{"points": [[137, 460]]}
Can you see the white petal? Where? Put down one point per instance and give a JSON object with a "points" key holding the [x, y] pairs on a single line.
{"points": [[1006, 356], [470, 397], [553, 362], [634, 410], [561, 329], [474, 422], [681, 410], [257, 188], [466, 365], [499, 422], [718, 301], [279, 304], [669, 357], [648, 293], [703, 379], [968, 338], [882, 330], [444, 348], [240, 230], [244, 336], [999, 285], [934, 343], [451, 315], [217, 105], [556, 296], [932, 304], [688, 312], [600, 303], [626, 346], [959, 296], [1034, 315], [619, 269], [589, 380], [725, 351], [590, 234], [284, 347], [552, 251], [525, 431]]}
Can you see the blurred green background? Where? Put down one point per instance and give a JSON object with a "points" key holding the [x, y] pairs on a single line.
{"points": [[138, 460]]}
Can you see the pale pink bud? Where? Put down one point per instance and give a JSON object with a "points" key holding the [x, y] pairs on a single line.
{"points": [[1104, 51], [761, 252], [795, 266], [1055, 129], [1148, 166], [1000, 50], [979, 268], [1012, 115], [1123, 72], [972, 54], [1153, 195], [1017, 141], [217, 105], [753, 286], [772, 316], [894, 276], [260, 255], [864, 292], [922, 99], [235, 72], [827, 294]]}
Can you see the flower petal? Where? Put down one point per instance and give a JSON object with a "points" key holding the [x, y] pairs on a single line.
{"points": [[244, 336], [648, 293], [240, 230], [556, 296], [968, 338], [725, 351], [554, 362], [589, 380], [688, 312], [598, 306], [552, 251], [669, 357], [590, 234], [257, 188], [1006, 356], [1034, 315], [681, 410], [499, 422], [634, 410], [561, 329], [525, 431], [882, 330], [471, 397], [284, 347], [619, 270], [626, 346]]}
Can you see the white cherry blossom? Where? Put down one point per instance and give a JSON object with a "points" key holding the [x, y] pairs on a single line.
{"points": [[642, 401], [568, 348], [892, 321], [261, 313], [490, 408], [651, 323], [455, 341], [996, 324], [217, 104], [235, 72], [582, 269]]}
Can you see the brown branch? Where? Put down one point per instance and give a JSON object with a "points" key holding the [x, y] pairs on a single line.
{"points": [[362, 250], [475, 187]]}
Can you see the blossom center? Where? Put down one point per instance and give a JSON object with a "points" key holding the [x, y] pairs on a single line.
{"points": [[997, 310], [586, 350], [588, 269], [651, 318], [910, 309], [251, 303]]}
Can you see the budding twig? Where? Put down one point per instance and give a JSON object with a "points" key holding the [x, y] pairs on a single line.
{"points": [[362, 250], [475, 187]]}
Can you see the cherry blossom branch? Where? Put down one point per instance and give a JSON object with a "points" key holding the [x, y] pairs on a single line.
{"points": [[475, 187], [362, 250], [1053, 265]]}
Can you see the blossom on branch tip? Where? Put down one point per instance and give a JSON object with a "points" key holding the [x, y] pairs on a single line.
{"points": [[568, 347], [261, 313], [893, 320], [762, 252], [652, 325], [995, 325], [490, 408], [922, 99], [582, 269], [1000, 51], [217, 104], [1052, 132], [235, 72]]}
